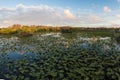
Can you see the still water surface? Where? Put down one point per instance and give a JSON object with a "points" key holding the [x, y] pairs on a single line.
{"points": [[14, 48]]}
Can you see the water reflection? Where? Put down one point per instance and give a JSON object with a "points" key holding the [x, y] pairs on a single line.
{"points": [[13, 48], [51, 34], [93, 39]]}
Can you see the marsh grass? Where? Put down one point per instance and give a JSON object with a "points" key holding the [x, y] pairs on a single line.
{"points": [[60, 58], [44, 56], [24, 30]]}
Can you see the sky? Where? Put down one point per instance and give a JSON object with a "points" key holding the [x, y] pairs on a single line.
{"points": [[76, 13]]}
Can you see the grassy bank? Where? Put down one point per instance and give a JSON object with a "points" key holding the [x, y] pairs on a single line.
{"points": [[24, 30]]}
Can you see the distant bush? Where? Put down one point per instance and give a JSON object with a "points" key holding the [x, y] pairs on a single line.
{"points": [[18, 29], [66, 29], [118, 39], [24, 34]]}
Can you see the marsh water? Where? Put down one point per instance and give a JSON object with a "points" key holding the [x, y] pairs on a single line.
{"points": [[30, 57], [14, 48]]}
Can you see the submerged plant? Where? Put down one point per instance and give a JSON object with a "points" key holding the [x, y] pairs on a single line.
{"points": [[59, 58]]}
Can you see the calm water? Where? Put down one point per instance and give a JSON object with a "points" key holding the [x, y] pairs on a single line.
{"points": [[24, 57], [14, 48]]}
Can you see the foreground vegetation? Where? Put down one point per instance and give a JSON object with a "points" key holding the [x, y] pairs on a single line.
{"points": [[27, 53], [60, 58]]}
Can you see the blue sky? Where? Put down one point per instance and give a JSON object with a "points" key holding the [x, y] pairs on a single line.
{"points": [[77, 13]]}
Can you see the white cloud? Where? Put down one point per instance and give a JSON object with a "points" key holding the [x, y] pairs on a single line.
{"points": [[6, 22], [47, 15], [94, 18], [68, 14], [36, 15], [115, 23], [107, 9], [118, 16]]}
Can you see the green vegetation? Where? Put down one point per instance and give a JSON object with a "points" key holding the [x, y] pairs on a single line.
{"points": [[24, 30], [58, 57]]}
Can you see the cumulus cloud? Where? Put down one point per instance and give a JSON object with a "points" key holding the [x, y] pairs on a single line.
{"points": [[107, 9], [47, 15], [115, 23], [35, 15], [118, 16], [6, 22], [68, 14], [94, 18]]}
